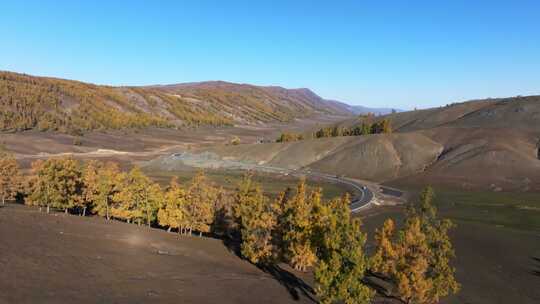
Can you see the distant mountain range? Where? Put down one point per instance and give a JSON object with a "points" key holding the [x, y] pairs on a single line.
{"points": [[303, 102], [377, 111], [44, 103], [358, 110]]}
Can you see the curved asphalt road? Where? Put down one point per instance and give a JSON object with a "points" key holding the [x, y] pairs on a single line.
{"points": [[359, 202]]}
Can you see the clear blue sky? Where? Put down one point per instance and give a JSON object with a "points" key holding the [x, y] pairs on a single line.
{"points": [[402, 54]]}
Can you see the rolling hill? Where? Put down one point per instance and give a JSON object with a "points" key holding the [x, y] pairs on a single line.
{"points": [[522, 112], [29, 102], [375, 157], [489, 144]]}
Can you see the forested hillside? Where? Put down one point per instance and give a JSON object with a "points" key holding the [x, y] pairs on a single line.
{"points": [[244, 101], [28, 102]]}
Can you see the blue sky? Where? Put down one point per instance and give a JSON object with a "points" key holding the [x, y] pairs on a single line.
{"points": [[401, 54]]}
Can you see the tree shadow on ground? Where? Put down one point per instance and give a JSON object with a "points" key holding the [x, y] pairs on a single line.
{"points": [[536, 271], [383, 286], [232, 243], [294, 285], [377, 284]]}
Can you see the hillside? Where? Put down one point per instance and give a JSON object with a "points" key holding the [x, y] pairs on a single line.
{"points": [[486, 144], [374, 157], [522, 112], [116, 262], [28, 102], [490, 144]]}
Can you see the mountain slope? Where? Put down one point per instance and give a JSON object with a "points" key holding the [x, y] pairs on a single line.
{"points": [[378, 157], [271, 99], [500, 159], [488, 144], [480, 145], [28, 102], [514, 112]]}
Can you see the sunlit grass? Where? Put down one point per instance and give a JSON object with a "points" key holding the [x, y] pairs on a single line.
{"points": [[272, 184], [513, 210]]}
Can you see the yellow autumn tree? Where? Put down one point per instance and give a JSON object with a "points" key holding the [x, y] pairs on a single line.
{"points": [[10, 177], [101, 183], [298, 229], [57, 183], [385, 257], [419, 260], [201, 197], [154, 198], [279, 205], [133, 197], [224, 224], [386, 126], [412, 264], [172, 214], [34, 187], [90, 181], [256, 218], [320, 214], [441, 272], [341, 260]]}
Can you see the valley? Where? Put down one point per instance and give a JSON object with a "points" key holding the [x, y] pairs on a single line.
{"points": [[270, 152], [481, 160]]}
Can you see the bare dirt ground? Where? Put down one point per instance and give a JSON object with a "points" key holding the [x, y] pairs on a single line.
{"points": [[496, 159], [57, 258], [36, 142], [131, 146]]}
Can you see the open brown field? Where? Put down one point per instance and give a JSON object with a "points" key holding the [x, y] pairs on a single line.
{"points": [[137, 140], [61, 258], [128, 147], [123, 263]]}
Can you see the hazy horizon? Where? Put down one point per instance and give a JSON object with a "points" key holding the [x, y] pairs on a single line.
{"points": [[400, 56]]}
